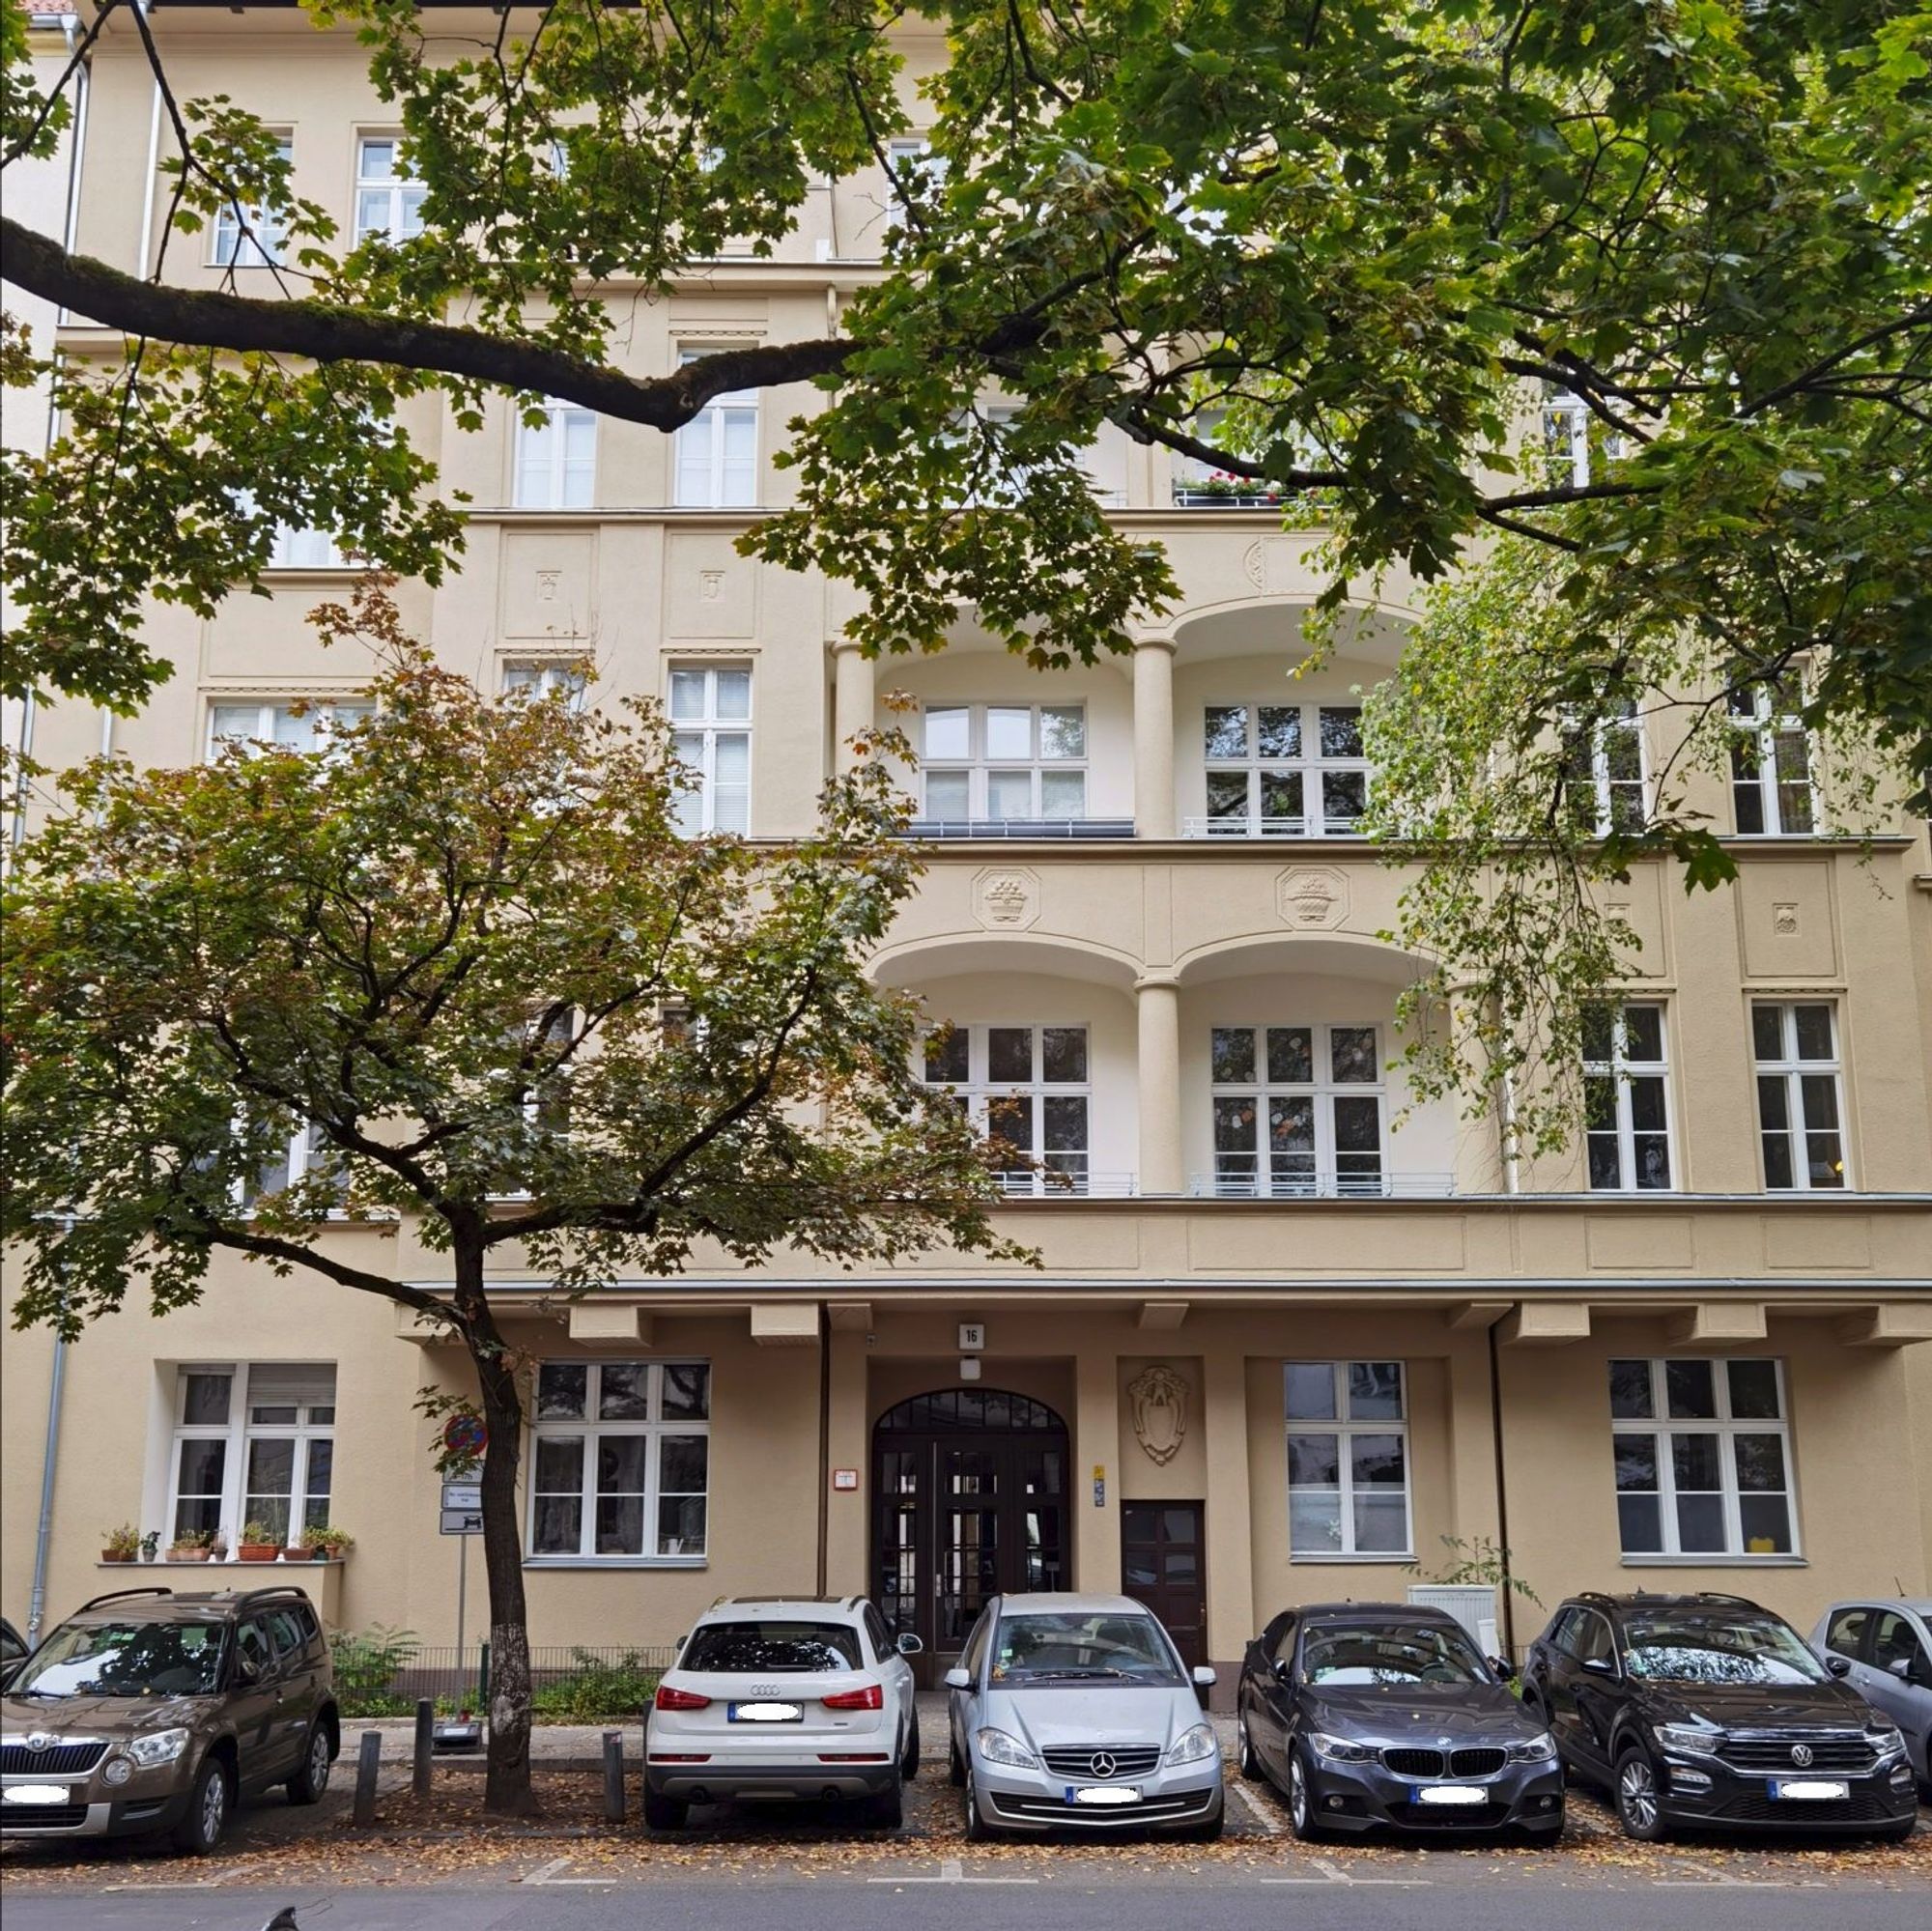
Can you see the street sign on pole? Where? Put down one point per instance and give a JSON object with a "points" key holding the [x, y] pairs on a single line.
{"points": [[462, 1508]]}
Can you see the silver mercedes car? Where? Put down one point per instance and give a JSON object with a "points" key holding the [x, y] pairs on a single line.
{"points": [[1075, 1713]]}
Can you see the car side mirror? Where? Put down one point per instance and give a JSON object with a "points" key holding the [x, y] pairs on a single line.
{"points": [[1500, 1666], [1599, 1665], [1902, 1668], [247, 1669], [909, 1644], [958, 1679], [1205, 1677], [1839, 1665]]}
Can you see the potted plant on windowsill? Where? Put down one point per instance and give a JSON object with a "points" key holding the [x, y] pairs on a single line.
{"points": [[151, 1545], [218, 1548], [124, 1544], [259, 1542], [328, 1545], [191, 1546]]}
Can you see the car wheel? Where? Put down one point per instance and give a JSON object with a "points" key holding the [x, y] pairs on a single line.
{"points": [[1244, 1749], [1302, 1803], [970, 1822], [955, 1770], [665, 1813], [885, 1809], [199, 1832], [909, 1762], [312, 1779], [1639, 1802]]}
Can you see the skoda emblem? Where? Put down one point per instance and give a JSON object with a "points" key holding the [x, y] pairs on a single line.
{"points": [[1800, 1755], [41, 1740], [1102, 1764]]}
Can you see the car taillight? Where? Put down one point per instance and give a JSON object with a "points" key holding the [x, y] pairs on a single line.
{"points": [[872, 1697], [680, 1699]]}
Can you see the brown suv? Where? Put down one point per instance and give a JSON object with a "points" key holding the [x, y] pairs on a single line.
{"points": [[148, 1711]]}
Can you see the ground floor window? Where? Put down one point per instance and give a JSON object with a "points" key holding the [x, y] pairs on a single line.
{"points": [[1347, 1457], [253, 1444], [1703, 1458], [620, 1462]]}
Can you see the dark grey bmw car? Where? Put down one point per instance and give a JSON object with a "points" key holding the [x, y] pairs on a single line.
{"points": [[1378, 1716]]}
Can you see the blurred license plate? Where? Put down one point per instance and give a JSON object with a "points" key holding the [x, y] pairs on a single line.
{"points": [[764, 1713], [1808, 1790], [34, 1792], [1103, 1793], [1447, 1792]]}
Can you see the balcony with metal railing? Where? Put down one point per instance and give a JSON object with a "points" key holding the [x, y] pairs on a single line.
{"points": [[1238, 1180], [1244, 826]]}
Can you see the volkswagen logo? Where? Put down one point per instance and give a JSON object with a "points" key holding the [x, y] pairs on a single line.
{"points": [[41, 1740], [1102, 1764], [1800, 1755]]}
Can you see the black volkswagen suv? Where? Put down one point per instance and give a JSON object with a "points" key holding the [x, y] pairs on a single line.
{"points": [[1709, 1711]]}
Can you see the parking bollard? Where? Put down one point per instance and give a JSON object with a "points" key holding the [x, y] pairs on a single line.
{"points": [[614, 1777], [367, 1761], [425, 1746]]}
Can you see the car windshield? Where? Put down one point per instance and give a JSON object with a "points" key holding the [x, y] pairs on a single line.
{"points": [[125, 1659], [1368, 1654], [1680, 1647], [771, 1648], [1074, 1645]]}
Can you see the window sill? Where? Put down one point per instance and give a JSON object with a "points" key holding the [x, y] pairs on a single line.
{"points": [[1388, 1558], [616, 1562], [1713, 1562]]}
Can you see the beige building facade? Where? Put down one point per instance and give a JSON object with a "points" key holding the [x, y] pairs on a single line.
{"points": [[1288, 1342]]}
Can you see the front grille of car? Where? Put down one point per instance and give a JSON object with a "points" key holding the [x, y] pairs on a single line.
{"points": [[43, 1816], [1449, 1817], [1045, 1809], [1129, 1760], [1772, 1751], [1759, 1806], [1413, 1763], [1484, 1762], [58, 1760]]}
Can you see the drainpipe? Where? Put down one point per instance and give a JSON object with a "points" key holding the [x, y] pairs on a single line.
{"points": [[1502, 1498], [824, 1446], [144, 265], [37, 1601]]}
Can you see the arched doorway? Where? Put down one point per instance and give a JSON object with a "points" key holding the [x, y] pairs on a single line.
{"points": [[968, 1490]]}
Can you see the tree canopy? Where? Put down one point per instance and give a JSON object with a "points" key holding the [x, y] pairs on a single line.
{"points": [[459, 966]]}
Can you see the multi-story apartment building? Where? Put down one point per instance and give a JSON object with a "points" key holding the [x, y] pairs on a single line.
{"points": [[1286, 1339]]}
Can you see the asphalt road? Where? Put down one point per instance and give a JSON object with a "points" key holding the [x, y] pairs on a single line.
{"points": [[820, 1906]]}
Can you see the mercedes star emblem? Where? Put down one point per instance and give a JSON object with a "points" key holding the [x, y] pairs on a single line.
{"points": [[1103, 1765], [1800, 1754]]}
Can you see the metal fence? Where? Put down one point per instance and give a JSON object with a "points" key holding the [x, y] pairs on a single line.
{"points": [[385, 1673]]}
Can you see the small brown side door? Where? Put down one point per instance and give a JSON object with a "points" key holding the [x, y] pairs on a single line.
{"points": [[1163, 1566]]}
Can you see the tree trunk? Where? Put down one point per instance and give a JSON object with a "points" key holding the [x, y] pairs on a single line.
{"points": [[506, 1786]]}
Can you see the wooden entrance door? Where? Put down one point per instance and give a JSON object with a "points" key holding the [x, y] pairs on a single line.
{"points": [[968, 1490], [1163, 1566]]}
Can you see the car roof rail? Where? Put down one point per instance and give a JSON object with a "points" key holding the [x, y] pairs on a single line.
{"points": [[250, 1596], [120, 1595], [1716, 1596]]}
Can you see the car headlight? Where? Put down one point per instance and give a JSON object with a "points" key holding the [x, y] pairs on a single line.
{"points": [[1193, 1745], [1690, 1740], [161, 1747], [1887, 1739], [117, 1771], [1536, 1749], [996, 1746], [1334, 1750]]}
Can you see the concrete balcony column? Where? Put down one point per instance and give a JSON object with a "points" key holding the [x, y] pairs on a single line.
{"points": [[1154, 738], [1157, 1007], [852, 701]]}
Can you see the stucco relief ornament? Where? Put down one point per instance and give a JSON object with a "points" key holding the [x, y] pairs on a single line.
{"points": [[1158, 1404], [1312, 896], [1007, 899]]}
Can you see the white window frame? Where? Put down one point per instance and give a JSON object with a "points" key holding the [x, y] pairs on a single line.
{"points": [[1662, 1426], [695, 737], [702, 484], [546, 678], [1320, 1092], [1069, 1169], [591, 1430], [1345, 1428], [1792, 1071], [321, 711], [980, 769], [263, 249], [546, 476], [1763, 719], [238, 1431], [1589, 766], [1310, 764], [1620, 1068], [402, 217], [911, 152]]}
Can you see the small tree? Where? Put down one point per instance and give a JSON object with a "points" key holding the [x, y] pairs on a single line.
{"points": [[466, 964]]}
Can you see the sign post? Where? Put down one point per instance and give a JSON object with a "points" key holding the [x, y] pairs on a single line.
{"points": [[466, 1439]]}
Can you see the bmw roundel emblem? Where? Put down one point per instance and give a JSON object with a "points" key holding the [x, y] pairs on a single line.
{"points": [[1800, 1755], [1102, 1764]]}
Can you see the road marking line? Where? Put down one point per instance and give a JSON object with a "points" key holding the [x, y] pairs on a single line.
{"points": [[1271, 1825], [544, 1873], [951, 1871], [184, 1884], [1333, 1873]]}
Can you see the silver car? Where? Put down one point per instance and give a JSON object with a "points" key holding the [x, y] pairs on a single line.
{"points": [[1075, 1713], [1882, 1646]]}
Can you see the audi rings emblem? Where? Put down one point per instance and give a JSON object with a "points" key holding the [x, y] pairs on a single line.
{"points": [[1800, 1755], [1102, 1764]]}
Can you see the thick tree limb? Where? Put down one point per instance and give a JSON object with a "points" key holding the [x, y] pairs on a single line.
{"points": [[321, 332]]}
